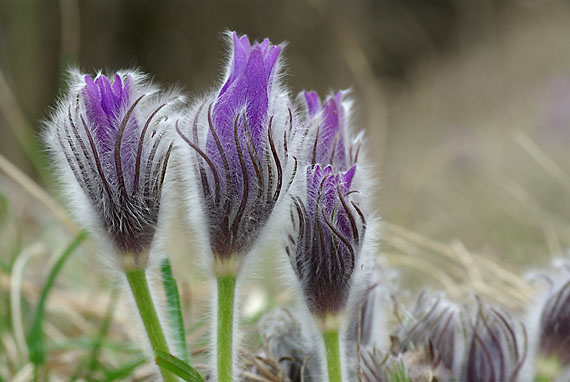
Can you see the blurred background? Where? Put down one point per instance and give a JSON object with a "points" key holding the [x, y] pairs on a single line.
{"points": [[466, 107]]}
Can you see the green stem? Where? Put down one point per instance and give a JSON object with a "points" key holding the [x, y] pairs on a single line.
{"points": [[332, 348], [139, 287], [224, 348]]}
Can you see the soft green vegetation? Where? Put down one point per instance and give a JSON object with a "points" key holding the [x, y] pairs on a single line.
{"points": [[177, 367], [35, 337]]}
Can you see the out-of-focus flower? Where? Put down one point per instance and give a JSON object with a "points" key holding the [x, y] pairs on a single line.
{"points": [[496, 350], [368, 325], [328, 137], [324, 249], [288, 352], [550, 320], [433, 322], [555, 325], [376, 366], [109, 140], [238, 153]]}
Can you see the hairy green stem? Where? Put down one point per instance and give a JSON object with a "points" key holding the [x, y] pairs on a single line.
{"points": [[139, 287], [332, 348], [224, 345]]}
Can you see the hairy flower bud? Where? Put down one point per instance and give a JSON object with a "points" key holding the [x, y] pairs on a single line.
{"points": [[236, 142], [433, 322], [497, 349], [109, 139], [554, 317], [328, 230], [288, 352]]}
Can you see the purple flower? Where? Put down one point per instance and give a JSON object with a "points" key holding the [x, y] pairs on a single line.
{"points": [[436, 323], [328, 228], [110, 135], [329, 139], [496, 352], [238, 147], [554, 325]]}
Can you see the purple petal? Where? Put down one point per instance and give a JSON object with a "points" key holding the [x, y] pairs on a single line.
{"points": [[313, 102], [106, 105], [117, 87], [329, 131], [264, 45], [347, 177], [240, 57], [256, 96]]}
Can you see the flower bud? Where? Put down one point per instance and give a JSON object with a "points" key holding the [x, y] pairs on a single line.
{"points": [[108, 137], [433, 322], [236, 145], [328, 230], [552, 320], [288, 351], [497, 349]]}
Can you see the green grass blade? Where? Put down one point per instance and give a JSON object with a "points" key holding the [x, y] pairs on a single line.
{"points": [[35, 337], [175, 320], [177, 367], [125, 371], [98, 343]]}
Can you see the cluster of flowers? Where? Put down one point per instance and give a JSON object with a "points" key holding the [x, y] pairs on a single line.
{"points": [[435, 340], [251, 160]]}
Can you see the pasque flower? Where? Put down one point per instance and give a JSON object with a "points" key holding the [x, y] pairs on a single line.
{"points": [[109, 139], [288, 350], [555, 325], [435, 322], [496, 349], [238, 164], [237, 140], [551, 321], [328, 227], [328, 222], [325, 245]]}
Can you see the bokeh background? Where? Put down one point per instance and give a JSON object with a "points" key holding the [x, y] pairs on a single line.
{"points": [[465, 104]]}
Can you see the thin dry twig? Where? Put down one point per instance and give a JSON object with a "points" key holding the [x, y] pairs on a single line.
{"points": [[547, 163], [16, 297], [486, 264], [37, 193]]}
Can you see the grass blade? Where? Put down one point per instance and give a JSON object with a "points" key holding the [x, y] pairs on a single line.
{"points": [[177, 367], [125, 371], [98, 343], [35, 337], [174, 310]]}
